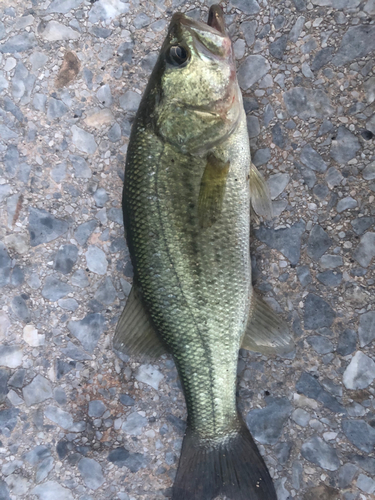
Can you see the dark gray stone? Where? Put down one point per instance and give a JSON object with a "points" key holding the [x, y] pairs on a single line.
{"points": [[44, 227], [126, 400], [73, 352], [114, 133], [318, 452], [16, 380], [366, 331], [357, 42], [81, 167], [84, 231], [322, 58], [96, 408], [100, 197], [11, 161], [91, 472], [310, 387], [312, 159], [18, 276], [62, 449], [253, 126], [345, 146], [4, 491], [54, 289], [279, 21], [321, 191], [125, 52], [320, 344], [60, 396], [360, 433], [8, 421], [62, 368], [308, 175], [100, 32], [266, 424], [4, 376], [318, 243], [297, 29], [58, 173], [277, 48], [5, 266], [365, 251], [251, 70], [115, 215], [80, 279], [106, 293], [248, 29], [346, 204], [247, 6], [318, 313], [330, 278], [20, 309], [347, 342], [333, 177], [304, 276], [123, 458], [346, 475], [308, 103], [287, 241], [18, 43], [278, 137], [268, 115], [325, 127], [361, 224], [65, 258], [37, 391], [88, 330]]}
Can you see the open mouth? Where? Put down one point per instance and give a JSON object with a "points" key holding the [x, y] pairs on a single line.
{"points": [[216, 18]]}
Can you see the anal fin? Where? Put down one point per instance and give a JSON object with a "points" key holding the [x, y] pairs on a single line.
{"points": [[135, 335], [212, 190], [259, 194], [265, 331]]}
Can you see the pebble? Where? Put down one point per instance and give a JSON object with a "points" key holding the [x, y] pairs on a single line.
{"points": [[366, 331], [126, 400], [106, 293], [312, 159], [107, 10], [360, 372], [365, 251], [123, 458], [287, 241], [347, 342], [318, 452], [18, 43], [318, 243], [44, 227], [307, 103], [253, 126], [37, 391], [58, 173], [129, 101], [100, 197], [59, 416], [88, 330], [96, 408], [361, 224], [72, 351], [96, 260], [320, 344], [63, 6], [366, 484], [84, 231], [304, 276], [10, 356], [54, 289], [346, 475], [114, 133], [330, 278], [134, 424], [350, 49], [5, 266], [301, 417], [261, 156], [247, 6], [331, 261], [277, 48], [84, 141], [55, 31], [20, 308], [149, 375], [252, 70], [32, 337], [277, 183], [55, 109], [310, 387], [369, 172], [51, 490], [297, 28], [65, 258], [345, 146], [317, 313], [359, 433], [266, 424]]}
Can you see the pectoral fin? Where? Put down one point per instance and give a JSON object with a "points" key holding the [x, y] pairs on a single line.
{"points": [[259, 194], [135, 334], [212, 190], [265, 331]]}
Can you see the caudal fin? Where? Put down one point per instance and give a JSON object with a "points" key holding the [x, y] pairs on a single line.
{"points": [[233, 468]]}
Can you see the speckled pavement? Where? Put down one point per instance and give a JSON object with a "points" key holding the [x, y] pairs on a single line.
{"points": [[76, 421]]}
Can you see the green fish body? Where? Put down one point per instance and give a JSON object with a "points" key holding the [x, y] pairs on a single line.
{"points": [[186, 204]]}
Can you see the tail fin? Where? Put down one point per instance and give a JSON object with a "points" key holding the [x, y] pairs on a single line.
{"points": [[232, 467]]}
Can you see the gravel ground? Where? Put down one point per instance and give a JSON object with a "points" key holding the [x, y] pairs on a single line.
{"points": [[76, 421]]}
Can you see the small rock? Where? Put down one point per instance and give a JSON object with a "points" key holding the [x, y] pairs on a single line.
{"points": [[43, 227], [345, 204], [247, 6], [5, 266], [80, 279], [114, 133], [129, 102], [346, 475], [10, 356], [56, 109], [345, 146], [149, 375], [277, 183], [369, 88], [261, 156], [277, 48], [126, 400], [312, 159], [322, 492], [303, 273], [4, 324], [91, 472], [71, 351], [54, 289], [63, 6], [58, 173], [20, 309], [310, 387], [52, 490], [347, 342], [331, 261], [39, 102], [266, 424], [55, 31], [366, 331], [100, 32], [18, 43], [37, 391], [287, 241], [320, 344], [43, 469], [84, 231], [251, 70], [84, 141], [330, 278], [31, 336], [297, 29], [365, 251], [369, 172], [65, 258], [357, 42], [59, 416], [134, 424], [278, 137], [106, 10], [307, 103], [325, 127], [315, 450], [322, 58], [317, 313], [360, 372], [366, 484], [141, 20], [100, 197], [96, 408], [301, 417], [361, 224], [37, 60], [88, 330], [318, 243], [116, 215], [253, 126], [96, 260], [360, 433], [99, 117], [106, 293]]}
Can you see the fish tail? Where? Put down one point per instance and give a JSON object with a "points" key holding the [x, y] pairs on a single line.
{"points": [[232, 467]]}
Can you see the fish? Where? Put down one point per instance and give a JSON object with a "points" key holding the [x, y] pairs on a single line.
{"points": [[189, 187]]}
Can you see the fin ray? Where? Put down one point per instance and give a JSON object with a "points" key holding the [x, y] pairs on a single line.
{"points": [[259, 194]]}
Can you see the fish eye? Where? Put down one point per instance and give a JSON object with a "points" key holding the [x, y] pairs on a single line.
{"points": [[177, 55]]}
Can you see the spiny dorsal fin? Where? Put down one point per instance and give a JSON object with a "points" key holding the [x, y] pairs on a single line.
{"points": [[212, 190], [135, 334], [259, 194], [265, 331]]}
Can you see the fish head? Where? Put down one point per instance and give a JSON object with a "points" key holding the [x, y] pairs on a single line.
{"points": [[199, 101]]}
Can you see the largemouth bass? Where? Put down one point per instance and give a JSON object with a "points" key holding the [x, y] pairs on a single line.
{"points": [[186, 203]]}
